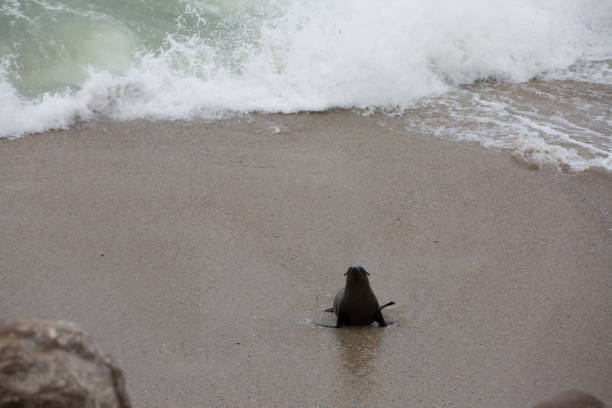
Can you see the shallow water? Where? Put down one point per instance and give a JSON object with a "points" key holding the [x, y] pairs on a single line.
{"points": [[565, 123], [466, 67]]}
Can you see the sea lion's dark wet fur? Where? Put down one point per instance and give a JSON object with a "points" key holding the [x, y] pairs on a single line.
{"points": [[356, 304]]}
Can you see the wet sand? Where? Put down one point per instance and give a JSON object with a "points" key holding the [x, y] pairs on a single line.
{"points": [[199, 254]]}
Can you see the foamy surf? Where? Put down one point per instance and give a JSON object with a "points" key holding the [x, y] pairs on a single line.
{"points": [[564, 123], [62, 62]]}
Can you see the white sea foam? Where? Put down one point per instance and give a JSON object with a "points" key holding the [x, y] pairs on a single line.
{"points": [[286, 56], [559, 123]]}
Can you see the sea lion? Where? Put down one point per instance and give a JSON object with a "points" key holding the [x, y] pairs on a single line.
{"points": [[356, 304]]}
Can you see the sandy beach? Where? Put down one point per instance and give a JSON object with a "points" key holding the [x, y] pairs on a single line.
{"points": [[199, 255]]}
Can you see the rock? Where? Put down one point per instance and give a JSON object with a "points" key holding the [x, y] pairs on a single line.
{"points": [[54, 364], [572, 399]]}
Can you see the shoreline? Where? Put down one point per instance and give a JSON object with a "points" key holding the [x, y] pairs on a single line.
{"points": [[197, 252], [532, 158]]}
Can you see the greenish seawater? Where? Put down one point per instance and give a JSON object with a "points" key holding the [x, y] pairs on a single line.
{"points": [[47, 45]]}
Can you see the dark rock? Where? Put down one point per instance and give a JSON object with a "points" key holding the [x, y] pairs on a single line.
{"points": [[55, 364], [573, 399]]}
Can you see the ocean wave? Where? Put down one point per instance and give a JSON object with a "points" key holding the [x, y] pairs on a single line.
{"points": [[67, 61]]}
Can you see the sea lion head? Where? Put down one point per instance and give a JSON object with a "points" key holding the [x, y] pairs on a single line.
{"points": [[356, 274]]}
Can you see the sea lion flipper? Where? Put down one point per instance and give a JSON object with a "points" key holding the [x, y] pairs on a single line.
{"points": [[383, 306], [339, 321], [378, 317], [337, 326], [331, 310]]}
